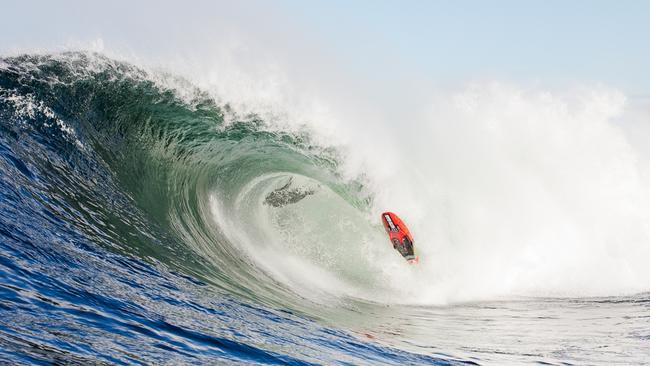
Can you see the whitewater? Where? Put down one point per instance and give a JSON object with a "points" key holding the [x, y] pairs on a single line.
{"points": [[160, 216]]}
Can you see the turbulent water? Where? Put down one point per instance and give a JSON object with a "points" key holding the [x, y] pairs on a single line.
{"points": [[143, 222]]}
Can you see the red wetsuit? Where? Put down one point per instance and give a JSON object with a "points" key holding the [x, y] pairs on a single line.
{"points": [[399, 235]]}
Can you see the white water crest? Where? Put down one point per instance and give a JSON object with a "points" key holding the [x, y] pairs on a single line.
{"points": [[509, 191]]}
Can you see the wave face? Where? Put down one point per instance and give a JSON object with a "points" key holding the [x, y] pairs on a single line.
{"points": [[143, 222], [141, 228]]}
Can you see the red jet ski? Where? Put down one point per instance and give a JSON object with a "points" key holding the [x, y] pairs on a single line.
{"points": [[400, 236]]}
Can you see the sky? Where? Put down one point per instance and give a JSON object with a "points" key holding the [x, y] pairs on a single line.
{"points": [[416, 42]]}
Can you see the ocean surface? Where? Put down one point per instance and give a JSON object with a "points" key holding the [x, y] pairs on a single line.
{"points": [[143, 221]]}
